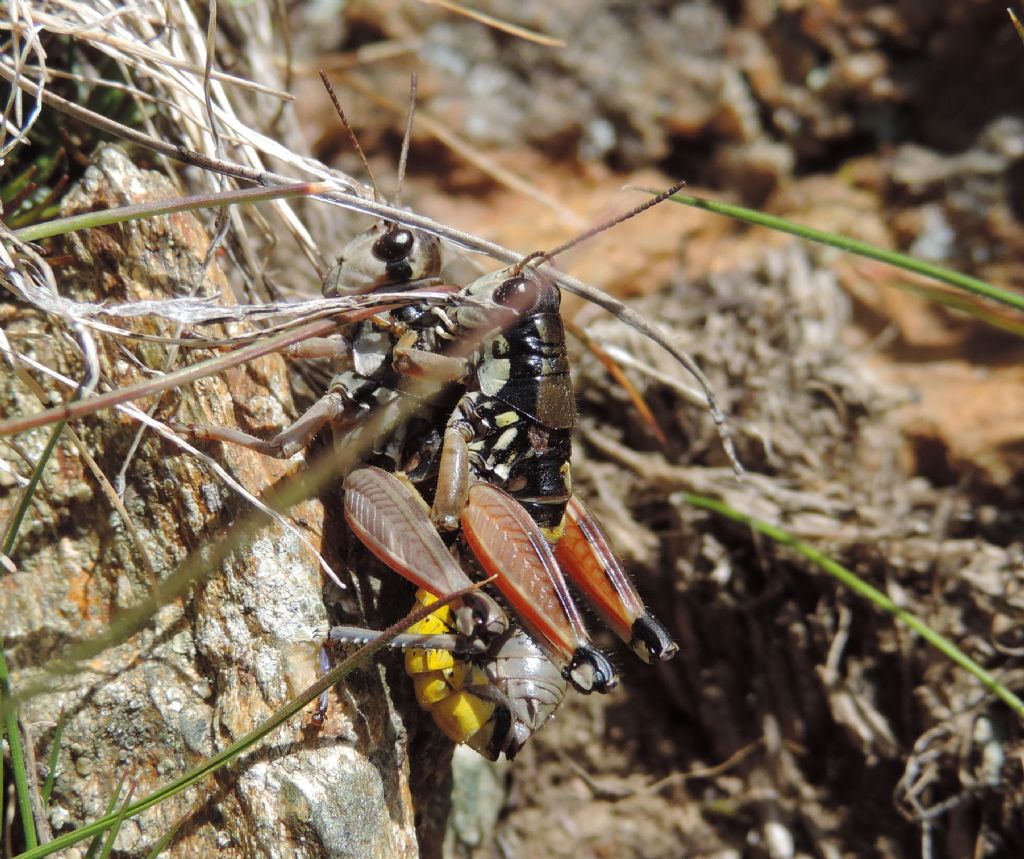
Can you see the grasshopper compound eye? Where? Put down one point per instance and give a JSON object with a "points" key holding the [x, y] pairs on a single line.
{"points": [[385, 256], [517, 293], [395, 245]]}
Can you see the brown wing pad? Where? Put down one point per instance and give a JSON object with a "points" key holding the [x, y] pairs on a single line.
{"points": [[392, 523], [509, 546], [389, 521]]}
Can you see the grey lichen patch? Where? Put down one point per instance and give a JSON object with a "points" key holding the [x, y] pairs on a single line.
{"points": [[340, 804]]}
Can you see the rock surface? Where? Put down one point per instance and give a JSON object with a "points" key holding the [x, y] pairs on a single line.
{"points": [[206, 669]]}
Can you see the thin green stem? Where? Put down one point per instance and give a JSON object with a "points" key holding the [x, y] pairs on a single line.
{"points": [[10, 538], [862, 588], [17, 754], [105, 217], [902, 261], [114, 797], [58, 736], [122, 813]]}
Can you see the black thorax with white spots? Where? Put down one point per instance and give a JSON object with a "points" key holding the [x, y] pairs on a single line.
{"points": [[522, 411]]}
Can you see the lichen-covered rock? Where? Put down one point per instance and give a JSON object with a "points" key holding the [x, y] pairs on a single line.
{"points": [[205, 669]]}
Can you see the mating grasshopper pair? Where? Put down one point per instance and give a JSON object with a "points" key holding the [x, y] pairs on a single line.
{"points": [[489, 449], [473, 409]]}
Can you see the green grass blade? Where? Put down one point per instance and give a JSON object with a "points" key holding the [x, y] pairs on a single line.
{"points": [[907, 263], [108, 845], [18, 515], [118, 215], [10, 712], [17, 754], [95, 844], [58, 736], [6, 696], [862, 588], [358, 659]]}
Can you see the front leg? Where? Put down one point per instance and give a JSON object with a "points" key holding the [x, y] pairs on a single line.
{"points": [[424, 364], [336, 347], [452, 493]]}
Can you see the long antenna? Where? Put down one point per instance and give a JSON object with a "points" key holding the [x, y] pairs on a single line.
{"points": [[405, 139], [547, 256], [351, 134]]}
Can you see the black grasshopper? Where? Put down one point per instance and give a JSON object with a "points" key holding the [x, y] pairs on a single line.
{"points": [[512, 429]]}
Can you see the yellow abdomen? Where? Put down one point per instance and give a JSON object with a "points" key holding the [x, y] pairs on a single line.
{"points": [[445, 683]]}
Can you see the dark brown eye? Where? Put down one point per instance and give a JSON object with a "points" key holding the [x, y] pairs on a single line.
{"points": [[394, 245], [518, 293]]}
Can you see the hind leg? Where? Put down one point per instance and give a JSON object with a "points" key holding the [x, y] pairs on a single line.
{"points": [[286, 443]]}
